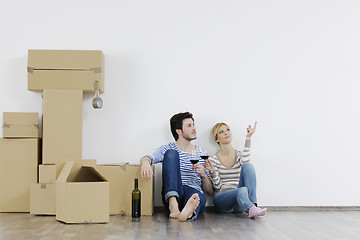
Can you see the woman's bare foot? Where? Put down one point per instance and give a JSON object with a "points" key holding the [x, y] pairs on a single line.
{"points": [[189, 208], [173, 208]]}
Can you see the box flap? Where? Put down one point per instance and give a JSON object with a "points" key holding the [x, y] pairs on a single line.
{"points": [[65, 172]]}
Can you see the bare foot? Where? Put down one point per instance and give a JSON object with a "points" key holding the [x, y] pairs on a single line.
{"points": [[173, 208], [189, 208], [174, 213]]}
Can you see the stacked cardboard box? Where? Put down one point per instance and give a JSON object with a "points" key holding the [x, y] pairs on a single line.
{"points": [[65, 69], [42, 198], [20, 125], [62, 127], [19, 157]]}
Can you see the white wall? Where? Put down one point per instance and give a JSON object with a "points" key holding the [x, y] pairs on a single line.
{"points": [[291, 65]]}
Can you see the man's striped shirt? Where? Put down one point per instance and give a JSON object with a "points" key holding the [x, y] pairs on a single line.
{"points": [[188, 175]]}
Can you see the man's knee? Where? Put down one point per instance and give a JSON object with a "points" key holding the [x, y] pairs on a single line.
{"points": [[171, 154]]}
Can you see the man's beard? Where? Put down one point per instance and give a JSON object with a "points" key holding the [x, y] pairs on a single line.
{"points": [[189, 138]]}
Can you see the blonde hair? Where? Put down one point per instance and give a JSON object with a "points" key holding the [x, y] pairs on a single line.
{"points": [[215, 130]]}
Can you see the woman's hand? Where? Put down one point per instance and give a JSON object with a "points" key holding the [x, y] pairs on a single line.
{"points": [[250, 131], [209, 166]]}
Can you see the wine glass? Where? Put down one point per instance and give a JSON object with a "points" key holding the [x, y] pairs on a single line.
{"points": [[194, 159], [205, 154]]}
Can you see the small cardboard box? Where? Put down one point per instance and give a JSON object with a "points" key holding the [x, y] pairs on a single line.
{"points": [[19, 159], [47, 173], [121, 179], [43, 199], [65, 69], [62, 127], [82, 194], [20, 125]]}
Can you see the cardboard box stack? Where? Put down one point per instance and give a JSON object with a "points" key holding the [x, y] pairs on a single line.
{"points": [[75, 190]]}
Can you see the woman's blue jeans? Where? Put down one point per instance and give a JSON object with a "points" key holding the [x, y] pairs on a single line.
{"points": [[172, 184], [242, 198]]}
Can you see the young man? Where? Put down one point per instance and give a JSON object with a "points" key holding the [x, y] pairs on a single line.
{"points": [[183, 181]]}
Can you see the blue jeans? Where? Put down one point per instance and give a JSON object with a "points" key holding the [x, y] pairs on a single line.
{"points": [[172, 184], [242, 198]]}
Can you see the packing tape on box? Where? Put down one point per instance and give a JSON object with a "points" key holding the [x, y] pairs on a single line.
{"points": [[123, 167], [8, 125], [95, 70]]}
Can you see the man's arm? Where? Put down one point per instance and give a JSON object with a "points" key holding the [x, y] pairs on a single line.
{"points": [[146, 169]]}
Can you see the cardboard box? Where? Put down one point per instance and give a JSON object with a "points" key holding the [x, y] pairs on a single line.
{"points": [[43, 199], [65, 69], [121, 179], [20, 125], [18, 170], [47, 173], [82, 194], [62, 127]]}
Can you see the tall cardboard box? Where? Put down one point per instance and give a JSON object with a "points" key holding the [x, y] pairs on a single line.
{"points": [[62, 126], [121, 179], [43, 199], [18, 170], [65, 69], [82, 195], [20, 125]]}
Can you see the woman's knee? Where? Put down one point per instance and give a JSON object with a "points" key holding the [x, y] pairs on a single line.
{"points": [[248, 167], [242, 192]]}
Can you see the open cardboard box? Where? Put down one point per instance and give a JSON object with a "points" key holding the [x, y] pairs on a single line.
{"points": [[82, 194]]}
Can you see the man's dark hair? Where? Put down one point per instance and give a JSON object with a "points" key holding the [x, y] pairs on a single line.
{"points": [[176, 122]]}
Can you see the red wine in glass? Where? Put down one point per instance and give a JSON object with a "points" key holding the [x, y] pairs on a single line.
{"points": [[194, 161], [204, 156]]}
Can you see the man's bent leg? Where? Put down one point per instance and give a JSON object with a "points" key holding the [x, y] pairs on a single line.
{"points": [[172, 184]]}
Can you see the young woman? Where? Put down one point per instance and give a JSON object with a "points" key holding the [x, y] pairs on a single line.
{"points": [[232, 175]]}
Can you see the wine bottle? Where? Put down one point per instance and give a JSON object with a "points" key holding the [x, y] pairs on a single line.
{"points": [[136, 201]]}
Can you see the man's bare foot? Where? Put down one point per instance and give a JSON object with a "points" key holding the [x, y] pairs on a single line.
{"points": [[173, 208], [189, 208], [174, 214]]}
